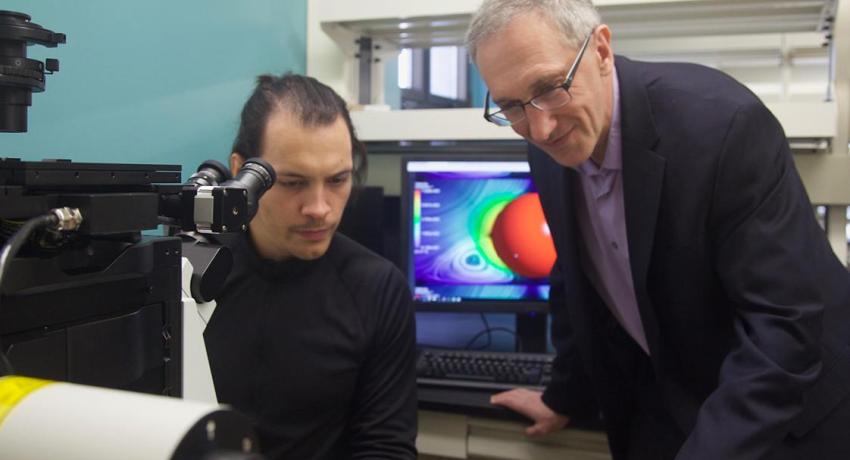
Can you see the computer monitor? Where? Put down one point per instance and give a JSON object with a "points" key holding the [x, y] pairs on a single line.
{"points": [[474, 235]]}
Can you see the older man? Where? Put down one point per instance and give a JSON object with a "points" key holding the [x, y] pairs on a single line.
{"points": [[697, 305]]}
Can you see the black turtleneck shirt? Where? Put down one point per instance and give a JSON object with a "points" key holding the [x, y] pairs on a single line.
{"points": [[320, 353]]}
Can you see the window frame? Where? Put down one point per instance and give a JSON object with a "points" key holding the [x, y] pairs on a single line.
{"points": [[419, 95]]}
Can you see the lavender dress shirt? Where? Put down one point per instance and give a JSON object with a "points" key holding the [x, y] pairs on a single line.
{"points": [[602, 222]]}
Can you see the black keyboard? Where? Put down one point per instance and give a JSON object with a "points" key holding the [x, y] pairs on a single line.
{"points": [[483, 369]]}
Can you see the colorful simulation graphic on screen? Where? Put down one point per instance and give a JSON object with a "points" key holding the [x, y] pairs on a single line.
{"points": [[477, 232]]}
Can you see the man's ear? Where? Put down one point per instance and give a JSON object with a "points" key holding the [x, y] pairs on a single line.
{"points": [[604, 52], [236, 162]]}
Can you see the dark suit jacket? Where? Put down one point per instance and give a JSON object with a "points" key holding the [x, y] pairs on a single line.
{"points": [[745, 306]]}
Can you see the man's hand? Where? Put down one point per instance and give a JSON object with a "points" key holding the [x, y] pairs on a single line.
{"points": [[530, 404]]}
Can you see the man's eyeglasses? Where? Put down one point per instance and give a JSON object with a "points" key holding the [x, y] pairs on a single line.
{"points": [[554, 98]]}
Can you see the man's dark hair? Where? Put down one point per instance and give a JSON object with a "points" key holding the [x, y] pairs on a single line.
{"points": [[312, 102]]}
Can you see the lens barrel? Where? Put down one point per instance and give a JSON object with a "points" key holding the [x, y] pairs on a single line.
{"points": [[19, 76], [256, 176]]}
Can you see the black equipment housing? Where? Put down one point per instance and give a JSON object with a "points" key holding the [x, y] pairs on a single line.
{"points": [[102, 305]]}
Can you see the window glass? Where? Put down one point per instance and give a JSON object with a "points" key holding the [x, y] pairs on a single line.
{"points": [[444, 72], [431, 78], [405, 69], [820, 215]]}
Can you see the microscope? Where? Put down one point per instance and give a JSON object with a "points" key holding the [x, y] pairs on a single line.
{"points": [[101, 322]]}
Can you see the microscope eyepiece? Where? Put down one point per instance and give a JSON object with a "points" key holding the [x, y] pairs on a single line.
{"points": [[215, 203], [256, 176], [210, 172]]}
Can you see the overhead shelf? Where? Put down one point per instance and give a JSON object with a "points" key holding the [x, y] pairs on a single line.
{"points": [[804, 121], [628, 19], [718, 17]]}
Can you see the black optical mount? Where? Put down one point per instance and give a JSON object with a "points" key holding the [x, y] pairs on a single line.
{"points": [[19, 76]]}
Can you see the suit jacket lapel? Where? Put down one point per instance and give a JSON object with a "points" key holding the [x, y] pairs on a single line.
{"points": [[643, 178]]}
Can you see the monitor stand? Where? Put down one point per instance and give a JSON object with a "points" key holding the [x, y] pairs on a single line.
{"points": [[531, 329]]}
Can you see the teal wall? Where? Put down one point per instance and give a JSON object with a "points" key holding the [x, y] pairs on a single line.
{"points": [[153, 81]]}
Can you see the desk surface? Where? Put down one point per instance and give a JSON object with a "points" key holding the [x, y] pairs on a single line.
{"points": [[448, 435]]}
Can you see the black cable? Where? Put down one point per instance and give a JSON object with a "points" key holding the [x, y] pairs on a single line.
{"points": [[495, 329], [14, 243], [474, 338], [20, 238], [486, 330]]}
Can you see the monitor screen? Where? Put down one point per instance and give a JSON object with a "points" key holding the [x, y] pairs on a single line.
{"points": [[475, 235]]}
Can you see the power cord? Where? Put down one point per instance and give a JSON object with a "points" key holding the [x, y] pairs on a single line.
{"points": [[496, 329], [486, 330], [59, 219]]}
